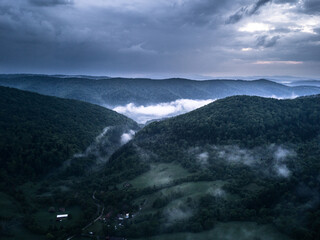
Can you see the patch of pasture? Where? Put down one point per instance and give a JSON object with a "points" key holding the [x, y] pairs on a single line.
{"points": [[8, 206], [45, 219], [228, 231], [181, 192], [160, 174]]}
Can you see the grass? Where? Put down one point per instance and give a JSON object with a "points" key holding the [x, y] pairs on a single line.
{"points": [[20, 233], [97, 227], [45, 219], [160, 174], [228, 231], [8, 206], [185, 190]]}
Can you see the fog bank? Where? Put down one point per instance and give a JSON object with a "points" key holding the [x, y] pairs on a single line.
{"points": [[142, 114]]}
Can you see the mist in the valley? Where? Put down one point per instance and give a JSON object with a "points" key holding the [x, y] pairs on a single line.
{"points": [[109, 140], [271, 160], [104, 145], [127, 136], [178, 212], [148, 112], [293, 96], [217, 192], [145, 113]]}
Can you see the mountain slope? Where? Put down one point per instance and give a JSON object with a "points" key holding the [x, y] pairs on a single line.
{"points": [[38, 132], [244, 159], [245, 120], [120, 91]]}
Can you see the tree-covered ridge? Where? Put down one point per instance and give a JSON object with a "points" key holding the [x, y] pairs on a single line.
{"points": [[39, 132], [246, 121], [265, 151], [243, 120], [121, 91]]}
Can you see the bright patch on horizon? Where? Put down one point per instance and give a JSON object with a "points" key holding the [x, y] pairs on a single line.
{"points": [[246, 49], [278, 62], [142, 113], [256, 27]]}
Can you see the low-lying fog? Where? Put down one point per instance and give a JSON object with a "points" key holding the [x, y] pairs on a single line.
{"points": [[143, 114]]}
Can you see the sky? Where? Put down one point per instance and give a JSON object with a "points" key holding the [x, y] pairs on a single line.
{"points": [[143, 38]]}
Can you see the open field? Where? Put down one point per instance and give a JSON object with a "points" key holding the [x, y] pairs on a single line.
{"points": [[20, 233], [44, 219], [228, 231], [160, 174], [183, 191], [8, 206]]}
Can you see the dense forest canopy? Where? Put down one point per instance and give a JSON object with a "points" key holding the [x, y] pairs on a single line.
{"points": [[237, 160], [266, 151], [244, 120], [39, 132]]}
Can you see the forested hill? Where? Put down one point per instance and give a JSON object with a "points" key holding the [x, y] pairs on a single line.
{"points": [[264, 151], [120, 91], [39, 132], [246, 121], [243, 120]]}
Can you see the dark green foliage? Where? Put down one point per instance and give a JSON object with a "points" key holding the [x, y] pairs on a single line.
{"points": [[38, 132], [252, 123], [247, 121]]}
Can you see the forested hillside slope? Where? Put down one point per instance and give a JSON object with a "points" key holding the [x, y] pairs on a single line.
{"points": [[246, 159], [38, 132]]}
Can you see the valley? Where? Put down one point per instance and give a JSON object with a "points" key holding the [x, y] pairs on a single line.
{"points": [[145, 99], [241, 166], [160, 120]]}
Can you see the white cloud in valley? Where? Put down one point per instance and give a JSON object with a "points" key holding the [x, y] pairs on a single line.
{"points": [[126, 137], [142, 114]]}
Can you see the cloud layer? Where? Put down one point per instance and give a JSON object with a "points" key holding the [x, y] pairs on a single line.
{"points": [[142, 114], [177, 37]]}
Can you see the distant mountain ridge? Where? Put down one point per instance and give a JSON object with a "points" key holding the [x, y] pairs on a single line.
{"points": [[112, 92], [315, 83]]}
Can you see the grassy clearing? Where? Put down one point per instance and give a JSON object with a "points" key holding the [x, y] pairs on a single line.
{"points": [[44, 219], [95, 228], [228, 231], [8, 206], [30, 189], [185, 190], [160, 174], [20, 233]]}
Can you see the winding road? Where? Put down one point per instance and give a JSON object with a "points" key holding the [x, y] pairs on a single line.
{"points": [[99, 214]]}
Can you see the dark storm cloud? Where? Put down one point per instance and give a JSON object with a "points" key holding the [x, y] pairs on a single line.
{"points": [[206, 11], [285, 1], [50, 2], [246, 11], [156, 37], [258, 5], [312, 6], [266, 41]]}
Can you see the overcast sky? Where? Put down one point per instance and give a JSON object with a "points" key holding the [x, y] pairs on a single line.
{"points": [[161, 37]]}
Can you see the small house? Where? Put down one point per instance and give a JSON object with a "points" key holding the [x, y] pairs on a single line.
{"points": [[60, 217]]}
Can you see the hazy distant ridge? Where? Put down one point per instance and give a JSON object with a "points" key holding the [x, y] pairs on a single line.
{"points": [[120, 91]]}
